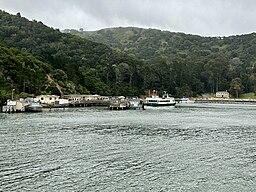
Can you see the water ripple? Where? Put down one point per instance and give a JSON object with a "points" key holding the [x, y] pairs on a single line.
{"points": [[203, 148]]}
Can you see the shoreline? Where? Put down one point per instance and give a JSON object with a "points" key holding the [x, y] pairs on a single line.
{"points": [[225, 101]]}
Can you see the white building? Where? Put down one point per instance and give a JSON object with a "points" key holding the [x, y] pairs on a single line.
{"points": [[78, 97], [222, 94], [48, 99]]}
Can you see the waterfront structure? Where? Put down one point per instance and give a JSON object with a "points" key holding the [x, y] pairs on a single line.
{"points": [[78, 97], [22, 105], [14, 106], [222, 94], [48, 99], [10, 106]]}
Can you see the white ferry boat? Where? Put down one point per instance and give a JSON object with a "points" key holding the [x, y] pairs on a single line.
{"points": [[155, 100]]}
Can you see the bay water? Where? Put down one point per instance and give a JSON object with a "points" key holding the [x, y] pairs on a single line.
{"points": [[199, 147]]}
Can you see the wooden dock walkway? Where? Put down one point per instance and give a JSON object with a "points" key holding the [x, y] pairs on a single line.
{"points": [[89, 103]]}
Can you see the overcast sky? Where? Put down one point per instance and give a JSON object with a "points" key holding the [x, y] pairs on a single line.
{"points": [[201, 17]]}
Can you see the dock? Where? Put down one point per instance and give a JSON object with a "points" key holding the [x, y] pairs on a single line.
{"points": [[50, 102], [88, 103]]}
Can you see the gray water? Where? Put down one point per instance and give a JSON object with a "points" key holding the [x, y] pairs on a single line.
{"points": [[197, 148]]}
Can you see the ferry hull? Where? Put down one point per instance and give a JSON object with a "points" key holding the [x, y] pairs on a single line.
{"points": [[159, 105]]}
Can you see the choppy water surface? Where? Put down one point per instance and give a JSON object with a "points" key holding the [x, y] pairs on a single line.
{"points": [[198, 148]]}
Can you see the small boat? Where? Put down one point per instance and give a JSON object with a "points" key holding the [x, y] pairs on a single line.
{"points": [[184, 100], [155, 100], [136, 103], [34, 107], [119, 103]]}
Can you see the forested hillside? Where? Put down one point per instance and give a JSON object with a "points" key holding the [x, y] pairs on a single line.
{"points": [[23, 73], [185, 64], [152, 43], [76, 65], [38, 59]]}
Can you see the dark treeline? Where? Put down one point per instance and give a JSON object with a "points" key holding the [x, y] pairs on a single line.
{"points": [[36, 59]]}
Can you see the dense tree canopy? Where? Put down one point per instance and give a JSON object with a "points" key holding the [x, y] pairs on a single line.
{"points": [[75, 65], [181, 62], [21, 73]]}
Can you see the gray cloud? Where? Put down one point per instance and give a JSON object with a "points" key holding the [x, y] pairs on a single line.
{"points": [[202, 17]]}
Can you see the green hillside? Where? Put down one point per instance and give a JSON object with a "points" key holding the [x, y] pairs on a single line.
{"points": [[188, 62], [76, 65], [121, 61], [23, 73], [152, 43]]}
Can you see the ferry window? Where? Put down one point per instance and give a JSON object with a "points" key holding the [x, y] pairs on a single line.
{"points": [[50, 98], [42, 98]]}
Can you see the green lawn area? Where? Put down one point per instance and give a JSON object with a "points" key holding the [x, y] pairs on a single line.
{"points": [[248, 96]]}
